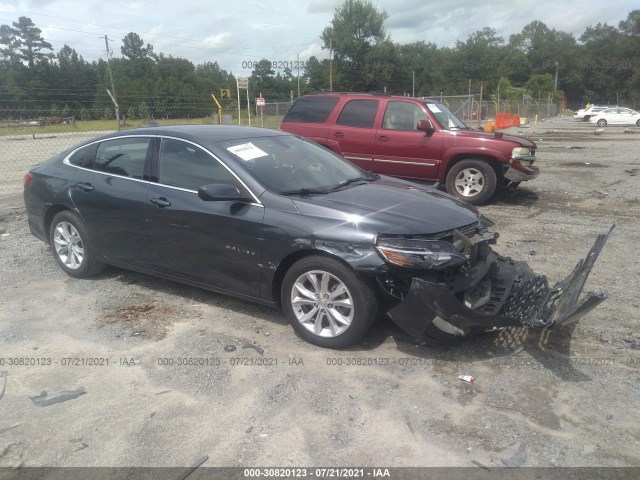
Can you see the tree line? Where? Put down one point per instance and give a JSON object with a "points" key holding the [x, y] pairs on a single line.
{"points": [[601, 66]]}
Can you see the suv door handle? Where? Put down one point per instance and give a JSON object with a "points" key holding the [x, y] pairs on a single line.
{"points": [[383, 138], [160, 202], [338, 134], [85, 187]]}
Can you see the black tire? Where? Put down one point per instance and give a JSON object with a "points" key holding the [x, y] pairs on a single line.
{"points": [[359, 295], [638, 122], [602, 122], [473, 181], [72, 250]]}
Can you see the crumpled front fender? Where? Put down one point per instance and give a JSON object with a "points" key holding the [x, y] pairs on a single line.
{"points": [[527, 300]]}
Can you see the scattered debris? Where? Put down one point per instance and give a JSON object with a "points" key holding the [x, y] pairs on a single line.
{"points": [[599, 131], [635, 390], [163, 392], [573, 147], [478, 464], [193, 468], [589, 449], [3, 374], [518, 458], [255, 347], [249, 430], [44, 400], [144, 320], [229, 348], [467, 378], [82, 447], [633, 344], [632, 173], [631, 130], [6, 429]]}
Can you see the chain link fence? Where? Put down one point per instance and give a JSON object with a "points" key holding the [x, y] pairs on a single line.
{"points": [[474, 113], [28, 137]]}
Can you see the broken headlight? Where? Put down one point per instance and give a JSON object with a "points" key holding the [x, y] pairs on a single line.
{"points": [[418, 253]]}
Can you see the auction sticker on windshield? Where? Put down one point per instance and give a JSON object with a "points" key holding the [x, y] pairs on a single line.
{"points": [[247, 151]]}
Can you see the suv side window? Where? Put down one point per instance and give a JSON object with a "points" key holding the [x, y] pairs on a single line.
{"points": [[311, 109], [184, 165], [123, 156], [402, 116], [358, 113]]}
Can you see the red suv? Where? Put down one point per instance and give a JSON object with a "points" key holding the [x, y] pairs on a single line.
{"points": [[413, 138]]}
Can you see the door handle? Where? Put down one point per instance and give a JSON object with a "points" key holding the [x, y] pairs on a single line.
{"points": [[338, 134], [160, 202], [85, 187], [383, 138]]}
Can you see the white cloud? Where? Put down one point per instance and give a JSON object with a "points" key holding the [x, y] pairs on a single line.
{"points": [[216, 41]]}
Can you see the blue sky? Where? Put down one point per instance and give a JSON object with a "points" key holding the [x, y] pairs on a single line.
{"points": [[236, 33]]}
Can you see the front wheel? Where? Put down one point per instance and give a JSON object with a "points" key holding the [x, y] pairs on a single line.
{"points": [[327, 303], [71, 248], [602, 122], [473, 181]]}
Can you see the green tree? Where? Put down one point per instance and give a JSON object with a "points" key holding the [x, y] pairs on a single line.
{"points": [[23, 42], [540, 85], [357, 28], [133, 47]]}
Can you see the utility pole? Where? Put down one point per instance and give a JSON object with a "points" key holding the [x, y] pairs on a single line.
{"points": [[112, 94], [555, 85], [298, 64], [413, 83], [330, 65]]}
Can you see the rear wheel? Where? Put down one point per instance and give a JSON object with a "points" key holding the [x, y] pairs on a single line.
{"points": [[473, 181], [638, 122], [71, 248], [602, 122], [327, 303]]}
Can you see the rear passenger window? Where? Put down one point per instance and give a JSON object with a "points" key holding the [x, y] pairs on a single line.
{"points": [[184, 165], [311, 110], [358, 113], [84, 157], [123, 156]]}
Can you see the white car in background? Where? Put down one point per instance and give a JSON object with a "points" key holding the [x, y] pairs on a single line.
{"points": [[585, 114], [616, 116]]}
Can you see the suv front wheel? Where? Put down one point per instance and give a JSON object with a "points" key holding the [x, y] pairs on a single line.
{"points": [[473, 181]]}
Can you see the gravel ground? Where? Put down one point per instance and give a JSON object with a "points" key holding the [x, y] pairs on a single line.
{"points": [[253, 394]]}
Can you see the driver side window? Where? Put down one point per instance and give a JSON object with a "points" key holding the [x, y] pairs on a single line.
{"points": [[402, 116]]}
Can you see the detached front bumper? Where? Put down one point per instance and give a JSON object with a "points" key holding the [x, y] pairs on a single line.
{"points": [[520, 173], [518, 297]]}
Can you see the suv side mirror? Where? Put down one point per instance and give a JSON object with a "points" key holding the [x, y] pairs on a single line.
{"points": [[425, 126], [220, 192]]}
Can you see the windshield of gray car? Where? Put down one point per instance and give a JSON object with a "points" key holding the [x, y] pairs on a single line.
{"points": [[445, 117], [290, 165]]}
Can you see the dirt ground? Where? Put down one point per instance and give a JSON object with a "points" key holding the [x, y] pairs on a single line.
{"points": [[143, 372]]}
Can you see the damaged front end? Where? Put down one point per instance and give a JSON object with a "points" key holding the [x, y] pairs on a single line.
{"points": [[457, 286]]}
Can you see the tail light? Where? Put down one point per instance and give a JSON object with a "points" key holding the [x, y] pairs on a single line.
{"points": [[27, 179]]}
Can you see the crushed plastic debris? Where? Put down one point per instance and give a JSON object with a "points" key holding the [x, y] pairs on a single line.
{"points": [[467, 378], [518, 458], [44, 400]]}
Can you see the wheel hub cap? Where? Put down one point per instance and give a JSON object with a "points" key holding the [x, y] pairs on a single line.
{"points": [[469, 182], [322, 303], [68, 245]]}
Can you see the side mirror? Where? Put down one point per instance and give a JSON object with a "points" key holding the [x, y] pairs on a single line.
{"points": [[426, 127], [220, 192]]}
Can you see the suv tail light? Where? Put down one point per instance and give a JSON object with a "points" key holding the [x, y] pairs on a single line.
{"points": [[27, 179]]}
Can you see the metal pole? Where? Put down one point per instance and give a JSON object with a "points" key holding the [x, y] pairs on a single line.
{"points": [[413, 83], [238, 89], [330, 65], [113, 88], [555, 85], [298, 63]]}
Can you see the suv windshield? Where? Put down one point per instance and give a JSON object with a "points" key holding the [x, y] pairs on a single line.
{"points": [[290, 165], [445, 117]]}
